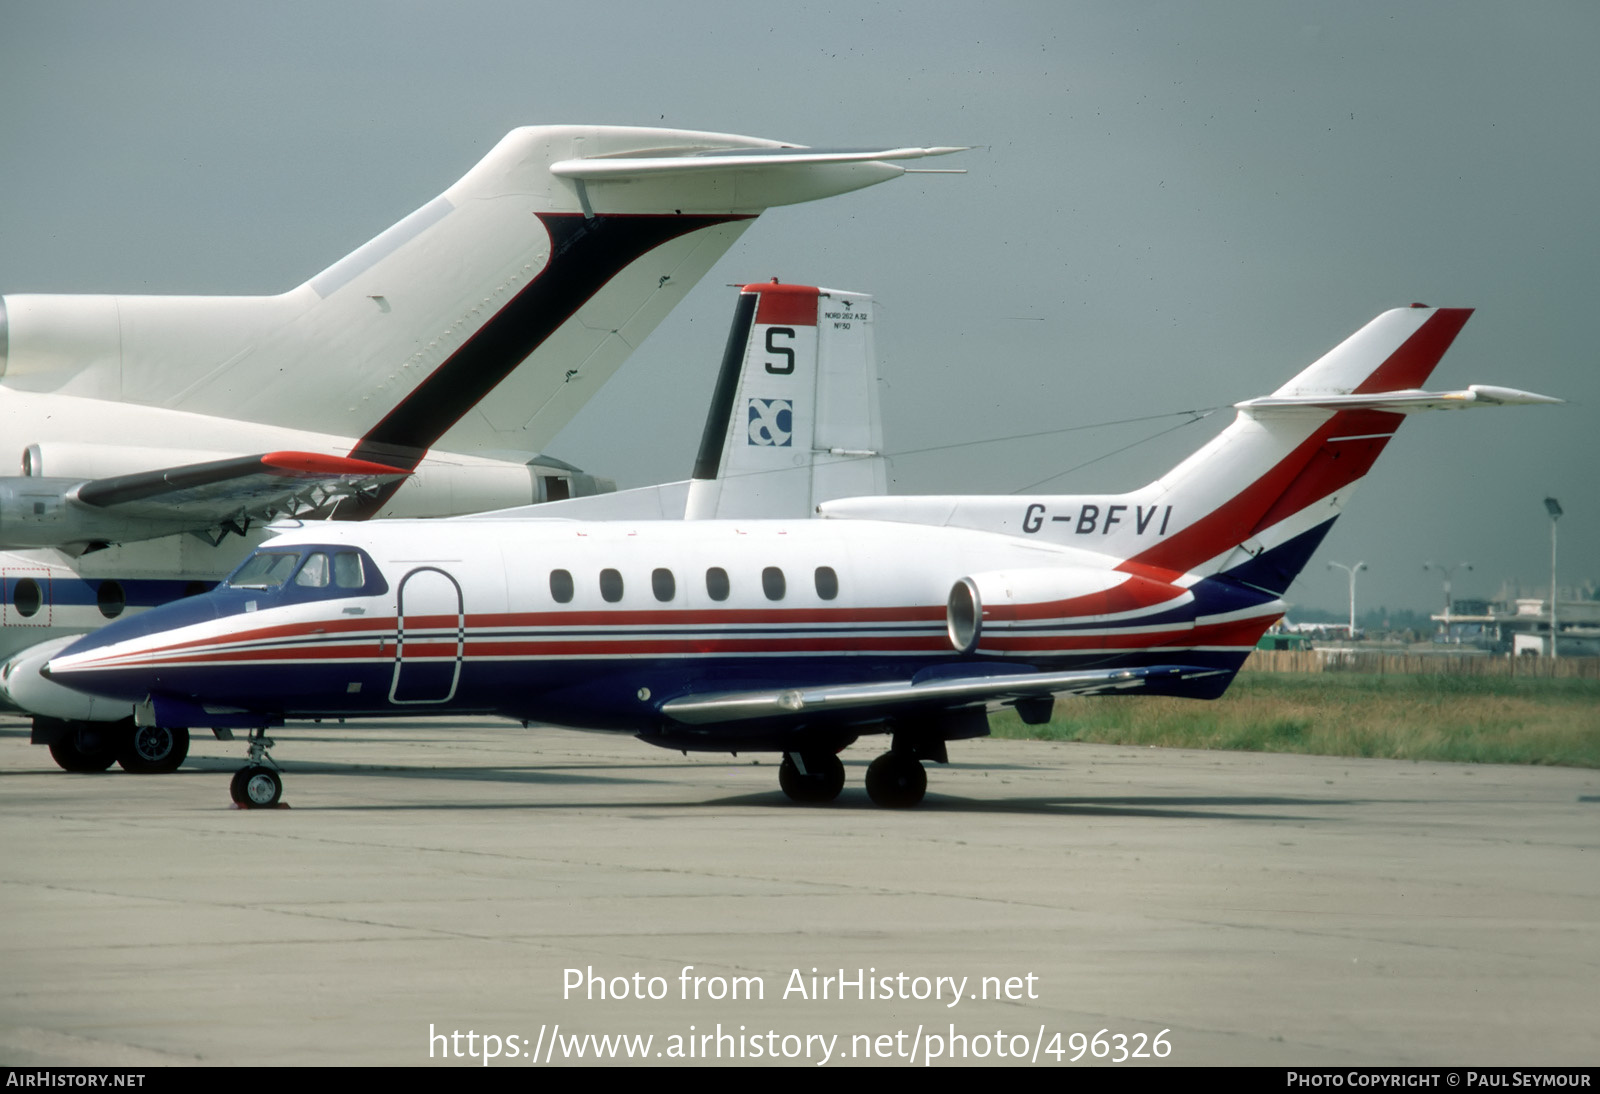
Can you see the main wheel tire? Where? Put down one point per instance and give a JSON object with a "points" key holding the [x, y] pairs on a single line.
{"points": [[154, 750], [821, 782], [87, 747], [896, 780], [256, 787]]}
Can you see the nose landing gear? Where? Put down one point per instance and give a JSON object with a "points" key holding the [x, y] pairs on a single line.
{"points": [[257, 786]]}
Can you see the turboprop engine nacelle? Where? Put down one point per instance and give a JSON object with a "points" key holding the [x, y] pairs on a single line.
{"points": [[23, 686], [45, 512], [992, 612]]}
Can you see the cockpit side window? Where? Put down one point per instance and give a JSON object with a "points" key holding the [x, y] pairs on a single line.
{"points": [[314, 574], [348, 573]]}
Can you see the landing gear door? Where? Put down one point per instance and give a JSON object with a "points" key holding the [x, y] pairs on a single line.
{"points": [[430, 636]]}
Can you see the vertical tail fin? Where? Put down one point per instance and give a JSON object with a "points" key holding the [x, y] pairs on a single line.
{"points": [[1256, 501], [794, 420]]}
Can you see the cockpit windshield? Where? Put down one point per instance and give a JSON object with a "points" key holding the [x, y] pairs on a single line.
{"points": [[327, 571], [265, 570]]}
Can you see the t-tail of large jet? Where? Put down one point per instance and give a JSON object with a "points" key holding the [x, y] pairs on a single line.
{"points": [[532, 277], [1254, 503]]}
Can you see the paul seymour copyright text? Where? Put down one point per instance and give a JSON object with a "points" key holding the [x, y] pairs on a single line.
{"points": [[718, 1039]]}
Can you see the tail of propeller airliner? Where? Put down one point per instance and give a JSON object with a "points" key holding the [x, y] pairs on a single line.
{"points": [[793, 419], [1255, 502]]}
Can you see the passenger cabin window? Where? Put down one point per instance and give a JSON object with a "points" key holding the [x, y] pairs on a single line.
{"points": [[663, 584], [610, 586], [717, 583], [561, 586], [111, 599], [772, 583], [827, 582], [26, 597]]}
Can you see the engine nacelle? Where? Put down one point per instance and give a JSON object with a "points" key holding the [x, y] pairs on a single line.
{"points": [[80, 462], [43, 512], [1004, 611], [22, 685]]}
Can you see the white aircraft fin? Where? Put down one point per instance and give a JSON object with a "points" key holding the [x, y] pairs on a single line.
{"points": [[794, 420], [1280, 474]]}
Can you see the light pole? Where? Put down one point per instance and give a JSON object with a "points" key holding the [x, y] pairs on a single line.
{"points": [[1352, 571], [1448, 570], [1553, 507]]}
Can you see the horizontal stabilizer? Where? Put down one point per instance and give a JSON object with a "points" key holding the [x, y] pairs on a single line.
{"points": [[944, 692], [740, 159], [1403, 402]]}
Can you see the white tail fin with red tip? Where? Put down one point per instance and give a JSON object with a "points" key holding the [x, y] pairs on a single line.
{"points": [[1256, 501]]}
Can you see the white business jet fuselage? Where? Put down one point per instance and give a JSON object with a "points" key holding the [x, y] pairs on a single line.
{"points": [[901, 615]]}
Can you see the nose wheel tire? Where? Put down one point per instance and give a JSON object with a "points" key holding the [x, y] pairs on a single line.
{"points": [[256, 787], [811, 777], [154, 750], [896, 780]]}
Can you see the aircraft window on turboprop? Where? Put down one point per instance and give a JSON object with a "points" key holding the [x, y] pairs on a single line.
{"points": [[717, 583], [663, 584], [26, 597], [265, 570], [561, 586], [315, 573], [827, 582], [610, 586], [772, 583], [348, 573], [110, 598]]}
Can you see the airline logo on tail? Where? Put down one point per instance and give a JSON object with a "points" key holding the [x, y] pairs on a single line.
{"points": [[771, 422]]}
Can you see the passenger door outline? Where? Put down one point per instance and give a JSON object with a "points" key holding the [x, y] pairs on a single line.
{"points": [[421, 679]]}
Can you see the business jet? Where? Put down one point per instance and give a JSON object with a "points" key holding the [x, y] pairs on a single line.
{"points": [[904, 616], [158, 435]]}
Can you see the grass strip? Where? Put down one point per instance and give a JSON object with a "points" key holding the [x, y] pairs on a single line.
{"points": [[1462, 719]]}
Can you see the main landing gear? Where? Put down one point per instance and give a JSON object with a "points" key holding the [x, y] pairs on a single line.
{"points": [[82, 747], [154, 750], [94, 746], [895, 780], [257, 786], [811, 777]]}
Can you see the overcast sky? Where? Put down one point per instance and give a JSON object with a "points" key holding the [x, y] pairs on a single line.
{"points": [[1172, 206]]}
